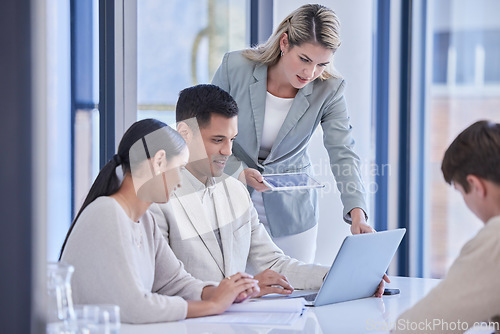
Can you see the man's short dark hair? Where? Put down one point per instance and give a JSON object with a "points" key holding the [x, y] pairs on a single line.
{"points": [[201, 101], [476, 151]]}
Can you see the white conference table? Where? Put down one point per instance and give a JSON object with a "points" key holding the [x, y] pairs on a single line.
{"points": [[370, 315]]}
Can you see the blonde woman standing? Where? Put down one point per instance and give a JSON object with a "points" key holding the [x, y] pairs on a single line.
{"points": [[284, 90]]}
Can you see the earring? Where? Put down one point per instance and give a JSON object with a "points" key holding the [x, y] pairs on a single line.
{"points": [[281, 54]]}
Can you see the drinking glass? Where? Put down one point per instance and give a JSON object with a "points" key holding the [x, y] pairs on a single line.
{"points": [[59, 300], [105, 319]]}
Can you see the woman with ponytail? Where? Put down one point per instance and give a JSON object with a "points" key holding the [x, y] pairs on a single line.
{"points": [[119, 254]]}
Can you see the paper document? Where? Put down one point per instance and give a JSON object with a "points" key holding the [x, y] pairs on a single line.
{"points": [[270, 305], [254, 318], [259, 312]]}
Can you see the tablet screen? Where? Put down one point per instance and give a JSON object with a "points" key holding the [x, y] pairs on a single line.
{"points": [[290, 181]]}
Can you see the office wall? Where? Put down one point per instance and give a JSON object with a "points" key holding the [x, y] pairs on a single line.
{"points": [[354, 61], [17, 256]]}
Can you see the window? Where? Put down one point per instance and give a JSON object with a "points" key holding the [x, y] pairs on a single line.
{"points": [[85, 97], [464, 59], [58, 126], [72, 118], [181, 44]]}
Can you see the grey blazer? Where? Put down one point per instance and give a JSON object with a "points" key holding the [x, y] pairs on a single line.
{"points": [[245, 244], [319, 102]]}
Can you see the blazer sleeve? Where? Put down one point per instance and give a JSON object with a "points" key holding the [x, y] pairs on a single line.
{"points": [[170, 276], [344, 162], [264, 254]]}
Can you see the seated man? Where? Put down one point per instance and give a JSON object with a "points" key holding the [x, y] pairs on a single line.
{"points": [[471, 291], [210, 223]]}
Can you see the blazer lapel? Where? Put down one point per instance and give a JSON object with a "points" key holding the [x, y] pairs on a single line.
{"points": [[225, 218], [191, 203], [258, 101], [297, 110]]}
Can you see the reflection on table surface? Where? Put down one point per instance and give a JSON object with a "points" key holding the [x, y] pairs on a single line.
{"points": [[371, 315]]}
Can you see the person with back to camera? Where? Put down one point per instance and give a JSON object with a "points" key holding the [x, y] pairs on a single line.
{"points": [[119, 254], [284, 91], [470, 293]]}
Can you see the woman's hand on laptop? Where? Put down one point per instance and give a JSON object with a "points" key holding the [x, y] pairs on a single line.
{"points": [[272, 282], [358, 223], [380, 289]]}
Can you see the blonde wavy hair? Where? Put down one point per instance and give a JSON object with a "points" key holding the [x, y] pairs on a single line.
{"points": [[308, 23]]}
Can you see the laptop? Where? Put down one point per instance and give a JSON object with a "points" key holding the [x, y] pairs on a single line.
{"points": [[357, 269]]}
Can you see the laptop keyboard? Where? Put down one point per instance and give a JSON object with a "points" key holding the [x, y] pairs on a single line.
{"points": [[311, 297]]}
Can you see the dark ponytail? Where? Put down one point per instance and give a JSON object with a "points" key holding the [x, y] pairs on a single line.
{"points": [[107, 182]]}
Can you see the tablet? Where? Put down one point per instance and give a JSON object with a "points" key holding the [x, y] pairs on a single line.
{"points": [[290, 181]]}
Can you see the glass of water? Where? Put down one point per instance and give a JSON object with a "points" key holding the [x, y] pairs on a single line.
{"points": [[108, 320], [93, 319]]}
